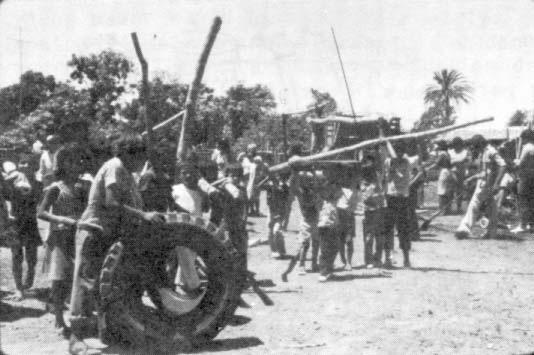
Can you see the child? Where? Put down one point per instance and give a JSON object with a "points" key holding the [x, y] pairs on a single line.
{"points": [[346, 206], [327, 225], [114, 209], [446, 184], [235, 218], [21, 195], [397, 177], [189, 198], [372, 197], [62, 206], [277, 200], [525, 186], [304, 185]]}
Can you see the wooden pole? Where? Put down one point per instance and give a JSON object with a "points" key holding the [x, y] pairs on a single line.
{"points": [[284, 132], [165, 123], [184, 140], [145, 99], [343, 71], [371, 143]]}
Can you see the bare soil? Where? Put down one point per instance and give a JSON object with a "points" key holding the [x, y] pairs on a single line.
{"points": [[459, 297]]}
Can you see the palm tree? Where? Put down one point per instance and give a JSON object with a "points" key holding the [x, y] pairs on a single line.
{"points": [[451, 86]]}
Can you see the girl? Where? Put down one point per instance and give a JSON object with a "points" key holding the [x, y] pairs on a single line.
{"points": [[62, 205]]}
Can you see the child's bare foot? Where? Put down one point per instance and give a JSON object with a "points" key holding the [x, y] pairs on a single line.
{"points": [[77, 346], [18, 296]]}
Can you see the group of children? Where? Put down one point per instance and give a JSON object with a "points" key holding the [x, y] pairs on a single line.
{"points": [[328, 197], [85, 218]]}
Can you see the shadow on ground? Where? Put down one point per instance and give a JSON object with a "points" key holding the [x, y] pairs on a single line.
{"points": [[228, 344], [12, 313], [438, 269]]}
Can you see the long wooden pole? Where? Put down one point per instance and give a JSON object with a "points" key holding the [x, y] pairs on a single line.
{"points": [[184, 140], [371, 143], [343, 71], [165, 123], [145, 98]]}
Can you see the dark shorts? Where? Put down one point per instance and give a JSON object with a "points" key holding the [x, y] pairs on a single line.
{"points": [[346, 225]]}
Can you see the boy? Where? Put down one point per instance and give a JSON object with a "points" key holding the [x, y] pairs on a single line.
{"points": [[346, 206], [21, 195], [189, 198], [114, 209], [373, 199], [277, 200], [235, 218], [397, 178], [304, 185], [327, 225]]}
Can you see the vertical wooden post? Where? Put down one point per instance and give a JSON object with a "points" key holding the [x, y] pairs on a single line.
{"points": [[145, 99], [184, 140], [284, 128]]}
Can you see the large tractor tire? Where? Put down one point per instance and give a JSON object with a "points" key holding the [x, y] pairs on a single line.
{"points": [[134, 268]]}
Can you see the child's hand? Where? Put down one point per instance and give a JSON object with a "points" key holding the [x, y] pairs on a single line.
{"points": [[69, 221], [154, 217]]}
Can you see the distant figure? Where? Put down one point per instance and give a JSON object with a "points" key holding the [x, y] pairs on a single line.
{"points": [[256, 169], [21, 195], [222, 156], [459, 159], [45, 174], [525, 187], [446, 185]]}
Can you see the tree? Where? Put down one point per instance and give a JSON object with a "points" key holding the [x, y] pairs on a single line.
{"points": [[451, 86], [167, 98], [519, 118], [105, 76], [24, 97], [245, 106]]}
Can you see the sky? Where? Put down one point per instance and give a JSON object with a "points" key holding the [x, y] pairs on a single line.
{"points": [[390, 49]]}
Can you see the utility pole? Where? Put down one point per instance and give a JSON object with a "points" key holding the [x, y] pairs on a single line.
{"points": [[20, 64]]}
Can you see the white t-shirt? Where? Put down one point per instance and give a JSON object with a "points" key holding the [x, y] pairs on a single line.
{"points": [[188, 199]]}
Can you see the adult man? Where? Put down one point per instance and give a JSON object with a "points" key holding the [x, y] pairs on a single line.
{"points": [[114, 209], [492, 169]]}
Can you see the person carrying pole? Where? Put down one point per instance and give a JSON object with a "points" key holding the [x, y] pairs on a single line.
{"points": [[492, 169]]}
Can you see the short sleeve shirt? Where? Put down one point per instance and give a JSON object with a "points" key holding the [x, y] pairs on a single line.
{"points": [[188, 199], [398, 177], [97, 212], [490, 162]]}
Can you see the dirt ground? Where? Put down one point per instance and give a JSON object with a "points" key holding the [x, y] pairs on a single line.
{"points": [[459, 297]]}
